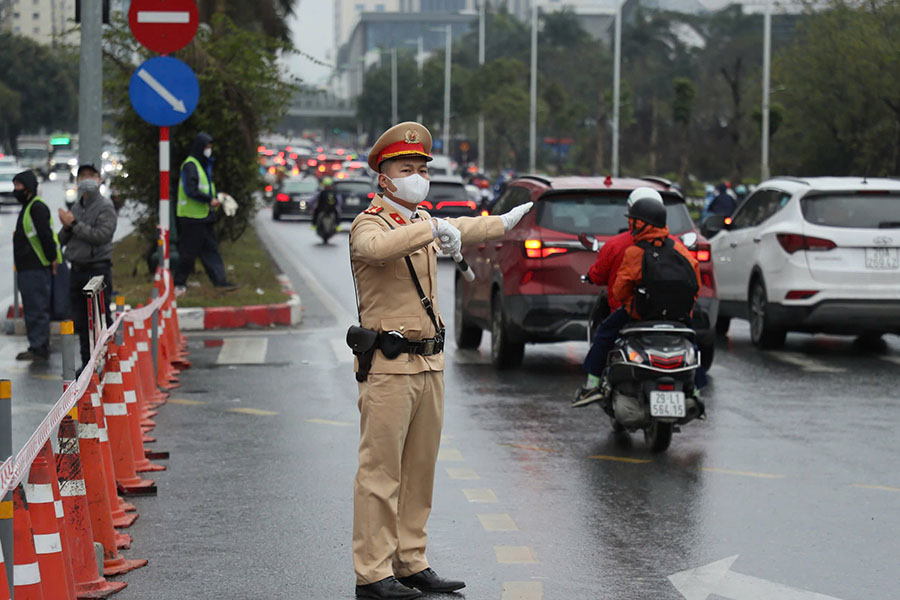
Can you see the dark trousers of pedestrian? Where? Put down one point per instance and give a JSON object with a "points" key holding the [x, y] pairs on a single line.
{"points": [[78, 301], [34, 285], [196, 239], [604, 340]]}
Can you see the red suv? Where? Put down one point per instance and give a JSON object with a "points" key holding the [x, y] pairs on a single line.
{"points": [[528, 284]]}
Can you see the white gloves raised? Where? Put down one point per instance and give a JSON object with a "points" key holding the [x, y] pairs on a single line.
{"points": [[448, 236], [229, 204], [512, 218]]}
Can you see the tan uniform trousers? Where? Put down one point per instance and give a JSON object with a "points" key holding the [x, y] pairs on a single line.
{"points": [[400, 433]]}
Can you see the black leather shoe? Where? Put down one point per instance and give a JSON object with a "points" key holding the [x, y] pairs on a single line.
{"points": [[388, 589], [429, 581]]}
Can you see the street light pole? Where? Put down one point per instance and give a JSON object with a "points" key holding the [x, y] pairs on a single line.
{"points": [[90, 88], [532, 133], [481, 26], [394, 117], [617, 84], [448, 48], [767, 64], [420, 60]]}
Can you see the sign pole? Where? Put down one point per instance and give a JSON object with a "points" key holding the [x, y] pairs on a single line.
{"points": [[164, 214]]}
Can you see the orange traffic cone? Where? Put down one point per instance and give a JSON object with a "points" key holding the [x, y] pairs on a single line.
{"points": [[96, 487], [26, 572], [52, 555], [88, 582], [129, 391], [119, 429], [153, 395]]}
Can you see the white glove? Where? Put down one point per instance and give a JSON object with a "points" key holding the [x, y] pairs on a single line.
{"points": [[229, 204], [448, 236], [512, 218]]}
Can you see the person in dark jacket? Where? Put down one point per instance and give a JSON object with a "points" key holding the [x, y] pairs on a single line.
{"points": [[724, 204], [87, 235], [36, 255], [196, 212]]}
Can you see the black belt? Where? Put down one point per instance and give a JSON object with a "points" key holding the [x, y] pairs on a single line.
{"points": [[393, 344], [82, 267], [427, 347]]}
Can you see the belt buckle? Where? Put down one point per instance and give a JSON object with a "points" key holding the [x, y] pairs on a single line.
{"points": [[429, 347]]}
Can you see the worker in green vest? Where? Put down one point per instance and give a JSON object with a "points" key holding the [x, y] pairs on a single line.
{"points": [[36, 254], [196, 216]]}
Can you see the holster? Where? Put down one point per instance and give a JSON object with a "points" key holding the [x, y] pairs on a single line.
{"points": [[363, 342]]}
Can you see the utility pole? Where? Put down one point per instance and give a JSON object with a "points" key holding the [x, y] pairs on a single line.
{"points": [[90, 85], [767, 64], [481, 26], [394, 117], [448, 48], [617, 84], [532, 133], [420, 61]]}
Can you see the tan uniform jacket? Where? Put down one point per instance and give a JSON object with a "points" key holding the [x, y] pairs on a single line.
{"points": [[387, 295]]}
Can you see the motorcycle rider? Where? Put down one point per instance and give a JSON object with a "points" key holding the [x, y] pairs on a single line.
{"points": [[604, 272], [327, 199]]}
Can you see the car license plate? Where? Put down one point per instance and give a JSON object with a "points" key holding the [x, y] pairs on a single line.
{"points": [[667, 404], [882, 259], [353, 201]]}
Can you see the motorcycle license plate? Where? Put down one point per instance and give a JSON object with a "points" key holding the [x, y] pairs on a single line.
{"points": [[666, 404]]}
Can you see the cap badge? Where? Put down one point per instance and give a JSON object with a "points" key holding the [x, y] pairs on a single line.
{"points": [[411, 136]]}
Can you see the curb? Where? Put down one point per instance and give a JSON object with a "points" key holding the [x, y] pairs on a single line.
{"points": [[237, 317]]}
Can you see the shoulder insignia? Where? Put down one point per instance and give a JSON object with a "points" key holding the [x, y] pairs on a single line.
{"points": [[373, 210], [398, 219]]}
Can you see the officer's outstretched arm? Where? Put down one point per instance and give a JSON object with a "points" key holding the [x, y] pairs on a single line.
{"points": [[374, 243], [478, 229]]}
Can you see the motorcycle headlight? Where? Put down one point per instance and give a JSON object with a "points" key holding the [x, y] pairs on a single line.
{"points": [[633, 355]]}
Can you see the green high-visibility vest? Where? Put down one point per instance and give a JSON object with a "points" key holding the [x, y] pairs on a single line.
{"points": [[187, 206], [32, 235]]}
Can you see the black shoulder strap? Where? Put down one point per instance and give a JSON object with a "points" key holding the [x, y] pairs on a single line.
{"points": [[426, 303]]}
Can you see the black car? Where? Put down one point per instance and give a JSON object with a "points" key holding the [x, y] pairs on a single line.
{"points": [[296, 197], [355, 194], [447, 197]]}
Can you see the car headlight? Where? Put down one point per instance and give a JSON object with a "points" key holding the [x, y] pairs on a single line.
{"points": [[303, 204]]}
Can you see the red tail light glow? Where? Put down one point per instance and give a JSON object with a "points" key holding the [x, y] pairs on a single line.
{"points": [[312, 162], [666, 387], [706, 279], [268, 188], [426, 205], [446, 203], [371, 195], [536, 249], [800, 294], [792, 242], [702, 253], [283, 198], [485, 213], [661, 362], [728, 220]]}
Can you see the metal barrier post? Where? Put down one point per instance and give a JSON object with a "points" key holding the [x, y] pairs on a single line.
{"points": [[120, 308], [154, 348], [69, 348], [15, 294], [6, 505], [93, 289]]}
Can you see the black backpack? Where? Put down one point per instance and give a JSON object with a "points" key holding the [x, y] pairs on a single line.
{"points": [[668, 283]]}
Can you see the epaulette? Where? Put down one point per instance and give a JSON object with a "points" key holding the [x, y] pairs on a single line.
{"points": [[373, 210]]}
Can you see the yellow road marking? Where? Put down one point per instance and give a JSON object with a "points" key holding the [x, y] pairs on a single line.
{"points": [[450, 455], [742, 473], [497, 522], [524, 447], [883, 488], [47, 377], [624, 459], [187, 402], [515, 555], [523, 590], [480, 495], [327, 422], [253, 411], [462, 473]]}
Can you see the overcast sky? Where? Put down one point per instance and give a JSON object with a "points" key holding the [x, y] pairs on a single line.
{"points": [[313, 29]]}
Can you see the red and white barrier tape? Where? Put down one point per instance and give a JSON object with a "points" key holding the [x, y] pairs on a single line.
{"points": [[14, 469]]}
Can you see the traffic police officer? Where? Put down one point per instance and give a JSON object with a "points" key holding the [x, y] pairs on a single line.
{"points": [[401, 398]]}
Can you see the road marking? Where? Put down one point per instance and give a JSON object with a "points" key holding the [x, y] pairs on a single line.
{"points": [[450, 455], [515, 555], [624, 459], [462, 473], [342, 351], [524, 447], [742, 473], [160, 89], [485, 495], [163, 16], [808, 364], [718, 579], [497, 522], [187, 402], [883, 488], [522, 590], [334, 423], [253, 411], [243, 351]]}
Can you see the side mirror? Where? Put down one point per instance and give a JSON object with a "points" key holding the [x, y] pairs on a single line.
{"points": [[690, 239], [589, 242], [713, 224]]}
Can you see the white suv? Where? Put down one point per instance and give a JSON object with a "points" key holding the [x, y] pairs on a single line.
{"points": [[820, 254]]}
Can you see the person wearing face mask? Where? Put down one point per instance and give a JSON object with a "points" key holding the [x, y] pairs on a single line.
{"points": [[197, 212], [36, 255], [87, 236], [393, 258]]}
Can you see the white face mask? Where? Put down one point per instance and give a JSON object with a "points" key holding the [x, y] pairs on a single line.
{"points": [[412, 189], [207, 152]]}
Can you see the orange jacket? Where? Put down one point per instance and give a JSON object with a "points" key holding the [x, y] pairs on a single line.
{"points": [[629, 276]]}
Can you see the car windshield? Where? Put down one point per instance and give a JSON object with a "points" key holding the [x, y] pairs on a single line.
{"points": [[879, 210], [32, 153], [601, 214], [442, 192], [302, 186], [357, 188]]}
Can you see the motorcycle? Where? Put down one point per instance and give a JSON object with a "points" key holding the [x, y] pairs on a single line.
{"points": [[326, 225]]}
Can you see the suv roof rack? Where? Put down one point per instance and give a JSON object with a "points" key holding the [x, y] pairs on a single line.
{"points": [[541, 178], [655, 179], [791, 178]]}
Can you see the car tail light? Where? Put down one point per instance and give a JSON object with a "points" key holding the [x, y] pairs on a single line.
{"points": [[268, 188], [792, 242], [336, 167], [258, 149], [536, 249], [321, 157], [426, 205], [728, 220], [272, 170], [800, 294], [294, 156], [467, 203], [485, 213], [527, 277], [312, 162], [283, 198], [340, 152], [371, 195], [706, 279], [321, 168], [702, 253]]}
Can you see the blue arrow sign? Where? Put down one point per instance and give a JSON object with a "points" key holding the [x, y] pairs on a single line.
{"points": [[164, 91]]}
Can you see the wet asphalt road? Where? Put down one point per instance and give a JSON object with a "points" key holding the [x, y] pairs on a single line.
{"points": [[796, 471]]}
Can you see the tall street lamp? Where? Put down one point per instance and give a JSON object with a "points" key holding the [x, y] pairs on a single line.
{"points": [[481, 26], [617, 85], [532, 133], [394, 118], [767, 65], [448, 49]]}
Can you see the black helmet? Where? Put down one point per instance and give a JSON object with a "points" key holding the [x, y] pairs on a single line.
{"points": [[649, 211]]}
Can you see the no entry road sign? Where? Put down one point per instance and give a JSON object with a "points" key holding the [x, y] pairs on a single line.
{"points": [[163, 26], [164, 91]]}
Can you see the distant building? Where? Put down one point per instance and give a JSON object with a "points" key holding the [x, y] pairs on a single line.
{"points": [[47, 21]]}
